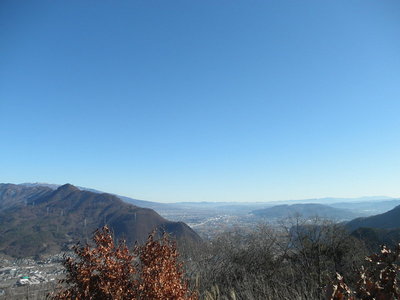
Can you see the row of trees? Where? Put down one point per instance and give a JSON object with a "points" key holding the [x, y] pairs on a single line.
{"points": [[299, 260]]}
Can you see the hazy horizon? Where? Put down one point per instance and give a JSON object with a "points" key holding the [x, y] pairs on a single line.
{"points": [[327, 198], [175, 101]]}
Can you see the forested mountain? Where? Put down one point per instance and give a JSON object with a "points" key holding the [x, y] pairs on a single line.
{"points": [[39, 220], [374, 238], [306, 210], [390, 219], [13, 194]]}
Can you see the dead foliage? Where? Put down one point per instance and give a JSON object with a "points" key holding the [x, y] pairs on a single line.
{"points": [[379, 281], [110, 271]]}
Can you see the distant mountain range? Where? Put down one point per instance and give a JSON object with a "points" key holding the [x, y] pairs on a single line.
{"points": [[45, 218], [37, 219], [374, 231], [306, 210], [368, 208], [361, 206], [380, 229], [329, 200]]}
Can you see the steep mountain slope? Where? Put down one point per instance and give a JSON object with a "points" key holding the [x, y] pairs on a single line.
{"points": [[368, 208], [59, 218], [390, 219], [304, 210], [13, 194]]}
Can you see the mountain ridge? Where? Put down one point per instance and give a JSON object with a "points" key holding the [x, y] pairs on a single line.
{"points": [[387, 220], [306, 210], [59, 218]]}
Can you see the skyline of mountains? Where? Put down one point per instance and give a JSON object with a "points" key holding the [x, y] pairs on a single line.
{"points": [[321, 200], [348, 207], [40, 220], [387, 220], [47, 218], [307, 210]]}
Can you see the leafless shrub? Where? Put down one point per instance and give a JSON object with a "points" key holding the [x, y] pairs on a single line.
{"points": [[295, 261]]}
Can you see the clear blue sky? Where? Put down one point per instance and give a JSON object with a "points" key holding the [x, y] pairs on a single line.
{"points": [[202, 100]]}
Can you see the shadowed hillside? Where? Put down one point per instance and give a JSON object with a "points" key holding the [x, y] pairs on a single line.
{"points": [[390, 219], [53, 220]]}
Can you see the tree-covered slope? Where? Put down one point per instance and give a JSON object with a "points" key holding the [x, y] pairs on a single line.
{"points": [[56, 219]]}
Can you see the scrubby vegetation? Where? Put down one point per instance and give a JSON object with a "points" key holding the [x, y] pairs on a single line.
{"points": [[296, 261], [301, 259], [379, 280], [110, 271]]}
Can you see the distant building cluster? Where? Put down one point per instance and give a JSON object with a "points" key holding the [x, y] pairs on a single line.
{"points": [[21, 277]]}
